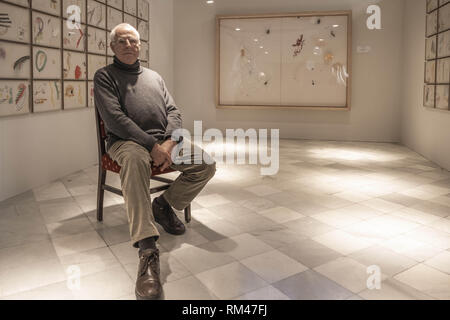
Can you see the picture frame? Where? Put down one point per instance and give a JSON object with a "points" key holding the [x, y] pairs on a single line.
{"points": [[296, 60], [429, 96], [14, 97], [43, 51], [47, 95], [432, 5], [432, 23], [442, 97]]}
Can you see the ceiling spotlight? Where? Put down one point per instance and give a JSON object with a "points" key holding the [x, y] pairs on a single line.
{"points": [[335, 25], [238, 29], [261, 47], [210, 1]]}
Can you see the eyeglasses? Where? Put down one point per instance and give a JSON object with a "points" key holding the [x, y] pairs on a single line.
{"points": [[123, 41]]}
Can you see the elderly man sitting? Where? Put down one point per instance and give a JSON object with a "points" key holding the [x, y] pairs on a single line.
{"points": [[140, 117]]}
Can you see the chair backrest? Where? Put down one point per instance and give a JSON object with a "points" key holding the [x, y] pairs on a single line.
{"points": [[101, 135]]}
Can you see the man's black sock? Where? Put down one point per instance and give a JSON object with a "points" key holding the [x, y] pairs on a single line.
{"points": [[147, 243], [162, 201]]}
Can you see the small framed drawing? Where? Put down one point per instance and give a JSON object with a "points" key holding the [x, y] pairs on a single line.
{"points": [[74, 65], [430, 71], [46, 63], [114, 18], [90, 93], [95, 62], [74, 94], [431, 5], [80, 8], [442, 97], [46, 30], [428, 96], [14, 97], [432, 23], [52, 7], [96, 14], [96, 40], [430, 48], [15, 60], [117, 3], [14, 27], [444, 18], [444, 44], [74, 38], [47, 96], [443, 71], [130, 7]]}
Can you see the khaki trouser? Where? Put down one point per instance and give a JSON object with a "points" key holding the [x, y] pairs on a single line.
{"points": [[135, 161]]}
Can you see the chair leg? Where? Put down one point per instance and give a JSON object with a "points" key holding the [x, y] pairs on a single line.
{"points": [[100, 192], [187, 213]]}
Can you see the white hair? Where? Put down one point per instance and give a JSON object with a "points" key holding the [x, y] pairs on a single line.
{"points": [[112, 35]]}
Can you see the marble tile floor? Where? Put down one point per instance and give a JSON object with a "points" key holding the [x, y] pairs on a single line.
{"points": [[311, 231]]}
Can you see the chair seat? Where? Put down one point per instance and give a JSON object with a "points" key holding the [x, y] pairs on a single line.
{"points": [[111, 165]]}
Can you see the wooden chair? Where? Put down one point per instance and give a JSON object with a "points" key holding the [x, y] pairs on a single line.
{"points": [[105, 163]]}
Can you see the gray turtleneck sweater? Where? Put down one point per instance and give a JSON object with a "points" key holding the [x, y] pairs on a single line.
{"points": [[134, 104]]}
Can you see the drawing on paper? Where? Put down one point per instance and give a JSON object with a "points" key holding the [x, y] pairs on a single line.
{"points": [[13, 26], [294, 60], [74, 94], [46, 96], [13, 98]]}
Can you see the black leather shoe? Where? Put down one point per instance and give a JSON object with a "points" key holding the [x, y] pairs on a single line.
{"points": [[148, 284], [167, 218]]}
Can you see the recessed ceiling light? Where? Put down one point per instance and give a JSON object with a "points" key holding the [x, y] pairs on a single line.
{"points": [[261, 47], [335, 25], [266, 52], [238, 29], [210, 1], [256, 40]]}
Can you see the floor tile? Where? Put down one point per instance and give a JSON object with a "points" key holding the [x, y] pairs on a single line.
{"points": [[310, 285], [242, 246], [115, 235], [389, 262], [347, 272], [266, 293], [427, 280], [391, 289], [90, 261], [51, 191], [342, 242], [78, 243], [189, 288], [231, 280], [211, 200], [281, 214], [411, 248], [308, 227], [262, 190], [110, 284], [273, 266], [309, 253], [440, 262], [202, 257], [69, 227]]}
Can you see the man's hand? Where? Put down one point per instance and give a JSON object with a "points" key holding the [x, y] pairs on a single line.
{"points": [[168, 146], [160, 156]]}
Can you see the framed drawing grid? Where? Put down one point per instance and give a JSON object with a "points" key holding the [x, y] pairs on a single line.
{"points": [[437, 55], [284, 61], [50, 65]]}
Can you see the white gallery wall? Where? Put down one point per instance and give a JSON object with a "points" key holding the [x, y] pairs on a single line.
{"points": [[426, 131], [376, 85], [38, 148]]}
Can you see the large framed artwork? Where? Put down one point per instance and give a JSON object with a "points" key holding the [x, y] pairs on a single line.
{"points": [[48, 60], [299, 60], [437, 55]]}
